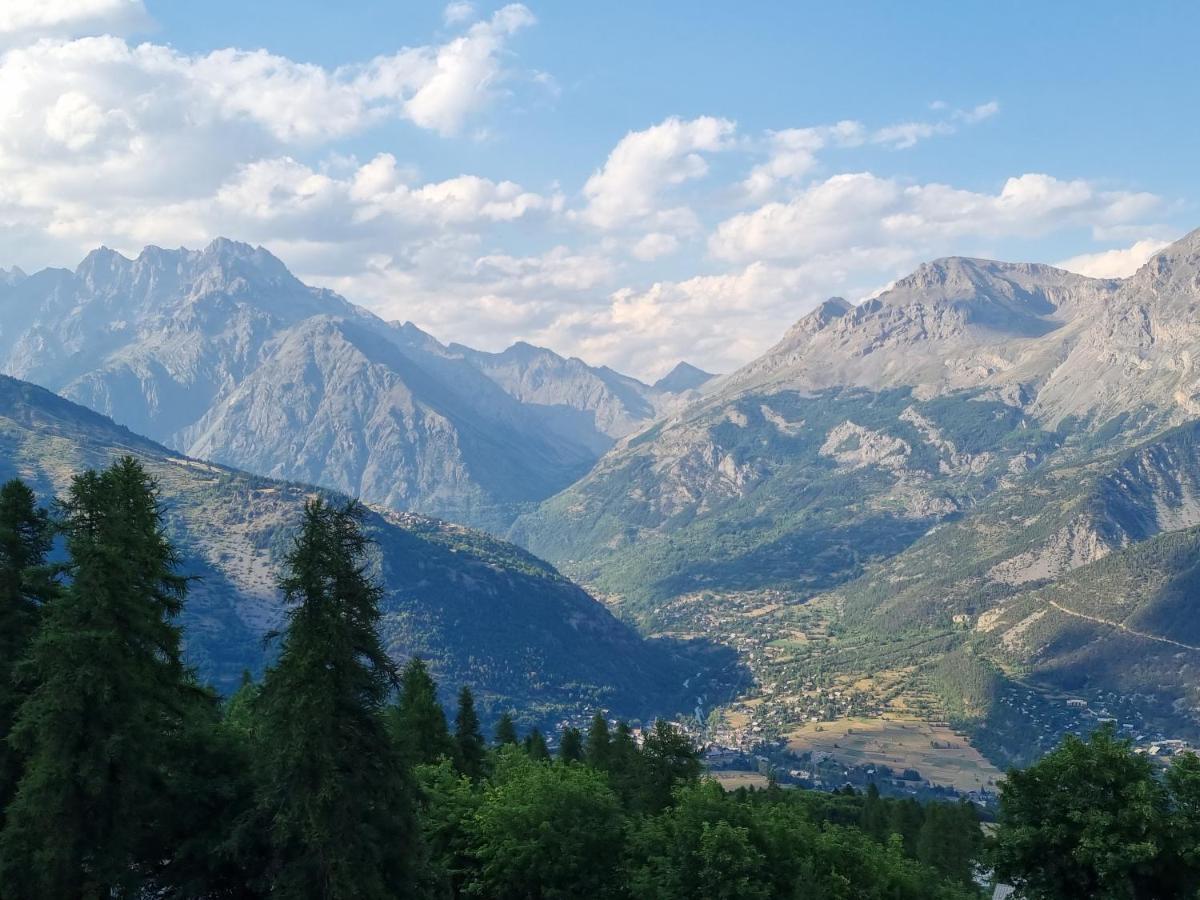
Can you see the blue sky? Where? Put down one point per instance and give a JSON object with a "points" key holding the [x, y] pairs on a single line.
{"points": [[630, 182]]}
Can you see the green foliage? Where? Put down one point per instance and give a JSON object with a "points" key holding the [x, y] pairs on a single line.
{"points": [[950, 840], [417, 721], [709, 844], [506, 730], [25, 585], [535, 746], [1093, 819], [110, 701], [449, 806], [545, 831], [332, 785], [299, 787], [570, 747], [599, 743], [668, 759], [470, 749]]}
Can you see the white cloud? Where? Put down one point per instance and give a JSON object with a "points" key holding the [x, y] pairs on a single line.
{"points": [[25, 19], [979, 113], [909, 134], [864, 210], [654, 245], [643, 164], [368, 209], [1118, 263], [452, 82], [793, 152], [458, 12], [101, 139]]}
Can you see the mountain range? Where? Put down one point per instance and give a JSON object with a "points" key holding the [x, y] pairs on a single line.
{"points": [[981, 482], [904, 484], [224, 355], [482, 612]]}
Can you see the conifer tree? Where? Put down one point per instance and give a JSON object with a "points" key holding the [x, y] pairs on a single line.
{"points": [[417, 721], [668, 759], [506, 730], [535, 746], [599, 743], [570, 747], [332, 785], [625, 766], [25, 584], [110, 699], [471, 749]]}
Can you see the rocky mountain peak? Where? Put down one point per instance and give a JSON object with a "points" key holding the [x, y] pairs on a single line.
{"points": [[684, 377], [1175, 268]]}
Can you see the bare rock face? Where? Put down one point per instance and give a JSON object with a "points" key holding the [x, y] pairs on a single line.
{"points": [[222, 353], [869, 427], [952, 324]]}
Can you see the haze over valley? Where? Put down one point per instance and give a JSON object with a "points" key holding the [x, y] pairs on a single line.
{"points": [[473, 449]]}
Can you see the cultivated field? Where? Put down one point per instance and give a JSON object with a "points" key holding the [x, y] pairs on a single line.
{"points": [[731, 781], [941, 755]]}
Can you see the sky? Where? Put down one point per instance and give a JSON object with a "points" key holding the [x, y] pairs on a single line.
{"points": [[632, 183]]}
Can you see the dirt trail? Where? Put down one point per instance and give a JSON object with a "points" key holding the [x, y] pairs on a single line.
{"points": [[1123, 627]]}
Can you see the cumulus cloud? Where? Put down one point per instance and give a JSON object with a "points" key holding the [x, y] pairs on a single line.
{"points": [[105, 141], [102, 140], [26, 19], [1118, 263], [863, 209], [458, 12], [654, 245], [644, 164], [792, 153]]}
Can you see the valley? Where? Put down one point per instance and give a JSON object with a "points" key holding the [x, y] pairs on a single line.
{"points": [[912, 512]]}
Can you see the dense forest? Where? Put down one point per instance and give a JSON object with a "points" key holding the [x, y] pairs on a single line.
{"points": [[339, 775]]}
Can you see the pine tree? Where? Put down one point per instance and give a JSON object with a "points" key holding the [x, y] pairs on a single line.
{"points": [[471, 750], [25, 584], [417, 721], [333, 788], [535, 746], [111, 697], [570, 748], [599, 743], [506, 730]]}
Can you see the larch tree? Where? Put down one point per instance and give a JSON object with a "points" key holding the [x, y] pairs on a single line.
{"points": [[470, 747], [334, 793], [110, 700], [25, 585], [506, 730], [417, 720]]}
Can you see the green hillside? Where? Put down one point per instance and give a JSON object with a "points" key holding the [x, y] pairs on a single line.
{"points": [[484, 612]]}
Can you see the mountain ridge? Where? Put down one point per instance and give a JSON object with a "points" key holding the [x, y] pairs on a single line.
{"points": [[176, 344], [483, 612], [860, 496]]}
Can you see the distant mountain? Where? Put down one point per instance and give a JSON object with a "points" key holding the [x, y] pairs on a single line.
{"points": [[581, 403], [484, 612], [893, 476], [684, 377], [223, 354]]}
